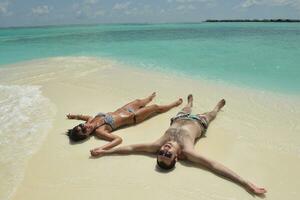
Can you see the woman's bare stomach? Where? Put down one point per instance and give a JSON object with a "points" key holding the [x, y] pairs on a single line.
{"points": [[123, 117]]}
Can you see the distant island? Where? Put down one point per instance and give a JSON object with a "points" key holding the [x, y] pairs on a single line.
{"points": [[253, 20]]}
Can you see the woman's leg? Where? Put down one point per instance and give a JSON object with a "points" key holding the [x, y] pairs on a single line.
{"points": [[152, 110], [139, 103]]}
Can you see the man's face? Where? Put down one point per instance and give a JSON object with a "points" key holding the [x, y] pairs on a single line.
{"points": [[167, 153]]}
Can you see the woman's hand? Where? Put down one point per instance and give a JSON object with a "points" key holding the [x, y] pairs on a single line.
{"points": [[69, 116], [97, 152]]}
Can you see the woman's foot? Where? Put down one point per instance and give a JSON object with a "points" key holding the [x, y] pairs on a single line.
{"points": [[140, 103], [151, 97], [220, 105], [178, 102]]}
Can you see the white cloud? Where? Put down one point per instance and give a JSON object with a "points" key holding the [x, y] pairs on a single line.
{"points": [[99, 13], [189, 1], [90, 2], [4, 9], [122, 6], [185, 7], [162, 11], [191, 4], [127, 9], [250, 3], [88, 8], [296, 4], [41, 10]]}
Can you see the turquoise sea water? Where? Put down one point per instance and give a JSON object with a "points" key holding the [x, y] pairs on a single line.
{"points": [[260, 55]]}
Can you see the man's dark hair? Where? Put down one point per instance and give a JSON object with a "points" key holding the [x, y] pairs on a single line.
{"points": [[164, 166], [75, 135]]}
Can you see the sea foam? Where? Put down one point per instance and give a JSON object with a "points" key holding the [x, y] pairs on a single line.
{"points": [[26, 116]]}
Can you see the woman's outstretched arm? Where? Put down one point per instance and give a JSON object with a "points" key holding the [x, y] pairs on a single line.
{"points": [[79, 117], [114, 140]]}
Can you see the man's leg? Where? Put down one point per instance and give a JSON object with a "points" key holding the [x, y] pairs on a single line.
{"points": [[152, 110], [210, 116], [189, 105], [139, 103]]}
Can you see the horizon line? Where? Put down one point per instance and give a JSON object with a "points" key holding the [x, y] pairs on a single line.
{"points": [[149, 23]]}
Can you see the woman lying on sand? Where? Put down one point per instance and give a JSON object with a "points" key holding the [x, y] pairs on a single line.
{"points": [[104, 123]]}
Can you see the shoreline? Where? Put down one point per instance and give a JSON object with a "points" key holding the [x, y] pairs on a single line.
{"points": [[243, 132], [177, 74]]}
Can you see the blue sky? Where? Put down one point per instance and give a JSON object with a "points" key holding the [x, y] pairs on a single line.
{"points": [[56, 12]]}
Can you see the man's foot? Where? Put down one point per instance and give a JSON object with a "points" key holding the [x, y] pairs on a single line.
{"points": [[190, 100], [220, 105]]}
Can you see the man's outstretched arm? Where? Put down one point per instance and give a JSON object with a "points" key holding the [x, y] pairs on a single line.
{"points": [[129, 149], [220, 169]]}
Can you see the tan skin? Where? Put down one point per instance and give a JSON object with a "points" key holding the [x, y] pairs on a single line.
{"points": [[122, 117], [182, 147]]}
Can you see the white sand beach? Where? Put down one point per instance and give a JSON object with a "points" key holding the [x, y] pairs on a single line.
{"points": [[256, 134]]}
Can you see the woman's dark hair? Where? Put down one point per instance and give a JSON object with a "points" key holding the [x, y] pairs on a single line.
{"points": [[164, 166], [76, 135]]}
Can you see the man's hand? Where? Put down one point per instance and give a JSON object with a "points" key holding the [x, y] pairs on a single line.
{"points": [[97, 152], [254, 189]]}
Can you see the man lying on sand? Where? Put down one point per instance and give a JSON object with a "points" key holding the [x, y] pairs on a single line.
{"points": [[104, 123], [178, 143]]}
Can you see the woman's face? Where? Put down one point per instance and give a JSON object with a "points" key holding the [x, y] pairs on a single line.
{"points": [[85, 129]]}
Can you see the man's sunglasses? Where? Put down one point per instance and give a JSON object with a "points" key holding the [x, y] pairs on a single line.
{"points": [[165, 153]]}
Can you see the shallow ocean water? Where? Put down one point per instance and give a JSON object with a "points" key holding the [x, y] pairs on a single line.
{"points": [[259, 55], [26, 117]]}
